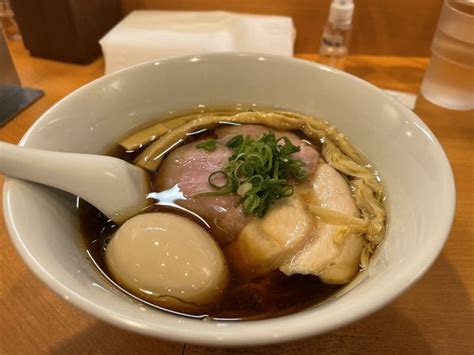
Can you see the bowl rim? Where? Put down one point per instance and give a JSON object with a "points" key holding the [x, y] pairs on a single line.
{"points": [[260, 332]]}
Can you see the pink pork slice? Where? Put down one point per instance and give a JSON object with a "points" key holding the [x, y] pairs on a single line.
{"points": [[307, 153], [188, 168]]}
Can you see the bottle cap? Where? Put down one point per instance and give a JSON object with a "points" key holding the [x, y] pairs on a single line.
{"points": [[341, 11]]}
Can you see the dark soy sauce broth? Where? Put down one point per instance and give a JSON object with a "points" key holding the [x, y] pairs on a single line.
{"points": [[270, 296]]}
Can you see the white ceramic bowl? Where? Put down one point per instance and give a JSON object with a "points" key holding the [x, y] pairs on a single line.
{"points": [[421, 195]]}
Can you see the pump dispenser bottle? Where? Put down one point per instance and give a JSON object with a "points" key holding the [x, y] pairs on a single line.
{"points": [[336, 35]]}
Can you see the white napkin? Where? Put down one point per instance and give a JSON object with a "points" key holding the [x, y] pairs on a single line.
{"points": [[147, 35]]}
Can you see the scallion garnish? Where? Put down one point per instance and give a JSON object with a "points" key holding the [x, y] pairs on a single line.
{"points": [[260, 171], [208, 144]]}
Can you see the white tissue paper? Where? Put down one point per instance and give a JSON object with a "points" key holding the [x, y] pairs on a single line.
{"points": [[147, 35]]}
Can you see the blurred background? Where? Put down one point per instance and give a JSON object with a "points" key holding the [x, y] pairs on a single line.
{"points": [[388, 27]]}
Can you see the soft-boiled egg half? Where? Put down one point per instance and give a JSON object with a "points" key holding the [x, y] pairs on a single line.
{"points": [[168, 259]]}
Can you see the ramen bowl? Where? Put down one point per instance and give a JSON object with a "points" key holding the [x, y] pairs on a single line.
{"points": [[44, 226]]}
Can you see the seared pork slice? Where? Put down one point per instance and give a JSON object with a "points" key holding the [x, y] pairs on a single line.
{"points": [[307, 153], [188, 168], [331, 252], [291, 239], [265, 243]]}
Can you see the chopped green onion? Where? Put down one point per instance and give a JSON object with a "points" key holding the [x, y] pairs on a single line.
{"points": [[251, 202], [244, 188], [208, 144], [235, 141], [214, 177], [288, 148], [260, 171]]}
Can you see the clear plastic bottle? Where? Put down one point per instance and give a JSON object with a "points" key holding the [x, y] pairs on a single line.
{"points": [[336, 35]]}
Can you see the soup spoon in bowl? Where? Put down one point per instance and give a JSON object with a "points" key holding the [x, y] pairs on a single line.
{"points": [[119, 190], [116, 188]]}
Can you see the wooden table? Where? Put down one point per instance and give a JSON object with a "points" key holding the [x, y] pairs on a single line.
{"points": [[434, 316]]}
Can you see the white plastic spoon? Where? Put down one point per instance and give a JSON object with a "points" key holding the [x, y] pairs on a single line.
{"points": [[116, 188]]}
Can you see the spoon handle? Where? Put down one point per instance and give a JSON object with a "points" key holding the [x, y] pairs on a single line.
{"points": [[110, 184]]}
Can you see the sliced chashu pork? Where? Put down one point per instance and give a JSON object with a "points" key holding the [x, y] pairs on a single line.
{"points": [[331, 252], [291, 239], [188, 168], [265, 244], [307, 153]]}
